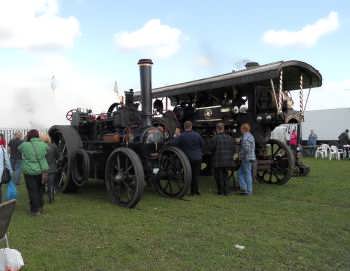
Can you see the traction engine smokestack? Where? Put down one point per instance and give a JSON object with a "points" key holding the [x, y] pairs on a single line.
{"points": [[146, 89]]}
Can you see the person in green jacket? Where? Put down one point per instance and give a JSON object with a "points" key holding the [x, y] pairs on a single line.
{"points": [[34, 164]]}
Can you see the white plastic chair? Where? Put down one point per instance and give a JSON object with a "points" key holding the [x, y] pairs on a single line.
{"points": [[322, 151], [335, 153], [319, 153]]}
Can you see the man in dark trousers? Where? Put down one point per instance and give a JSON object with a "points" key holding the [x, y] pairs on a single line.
{"points": [[191, 143], [222, 149]]}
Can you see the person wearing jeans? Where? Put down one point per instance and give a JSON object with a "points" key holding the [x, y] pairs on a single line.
{"points": [[245, 177], [34, 165], [247, 156], [16, 157]]}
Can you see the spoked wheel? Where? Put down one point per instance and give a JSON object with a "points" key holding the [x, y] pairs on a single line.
{"points": [[277, 163], [175, 174], [62, 165], [67, 141], [124, 177]]}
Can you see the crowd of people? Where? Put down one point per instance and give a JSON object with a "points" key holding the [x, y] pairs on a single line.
{"points": [[35, 157], [221, 147]]}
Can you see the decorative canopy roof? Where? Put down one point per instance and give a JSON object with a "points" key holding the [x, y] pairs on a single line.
{"points": [[292, 69]]}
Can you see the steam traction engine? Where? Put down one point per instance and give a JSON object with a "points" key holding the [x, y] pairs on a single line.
{"points": [[259, 95], [125, 147]]}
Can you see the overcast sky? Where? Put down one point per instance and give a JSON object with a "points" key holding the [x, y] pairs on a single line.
{"points": [[86, 45]]}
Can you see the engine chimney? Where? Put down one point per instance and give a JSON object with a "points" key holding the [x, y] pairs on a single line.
{"points": [[146, 89]]}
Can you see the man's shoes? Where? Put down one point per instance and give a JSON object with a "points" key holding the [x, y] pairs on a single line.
{"points": [[197, 193]]}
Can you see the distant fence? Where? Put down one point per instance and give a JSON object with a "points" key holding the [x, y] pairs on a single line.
{"points": [[9, 132]]}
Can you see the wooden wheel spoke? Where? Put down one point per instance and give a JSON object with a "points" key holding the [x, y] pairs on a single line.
{"points": [[126, 165], [127, 170], [178, 184], [170, 187], [165, 188], [130, 189], [274, 152], [118, 162]]}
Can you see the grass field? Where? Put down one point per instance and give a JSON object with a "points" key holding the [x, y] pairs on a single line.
{"points": [[304, 225]]}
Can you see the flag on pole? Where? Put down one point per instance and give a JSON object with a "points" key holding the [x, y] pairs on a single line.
{"points": [[115, 89], [53, 83]]}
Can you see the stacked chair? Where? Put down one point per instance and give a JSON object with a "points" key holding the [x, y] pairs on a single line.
{"points": [[6, 210]]}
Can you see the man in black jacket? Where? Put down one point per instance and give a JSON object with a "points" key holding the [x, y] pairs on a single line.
{"points": [[222, 148], [191, 143]]}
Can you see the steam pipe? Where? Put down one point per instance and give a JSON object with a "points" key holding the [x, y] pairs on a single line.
{"points": [[146, 90]]}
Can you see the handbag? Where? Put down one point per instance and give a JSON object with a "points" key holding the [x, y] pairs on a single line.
{"points": [[44, 174], [6, 174]]}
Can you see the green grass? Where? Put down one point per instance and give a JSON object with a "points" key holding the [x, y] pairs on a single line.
{"points": [[303, 225]]}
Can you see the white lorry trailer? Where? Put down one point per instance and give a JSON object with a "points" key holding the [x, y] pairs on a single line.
{"points": [[328, 124]]}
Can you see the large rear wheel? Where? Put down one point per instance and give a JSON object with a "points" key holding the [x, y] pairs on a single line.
{"points": [[124, 177], [68, 142], [275, 163]]}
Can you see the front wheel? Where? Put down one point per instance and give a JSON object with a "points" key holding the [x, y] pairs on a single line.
{"points": [[124, 177], [175, 174]]}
